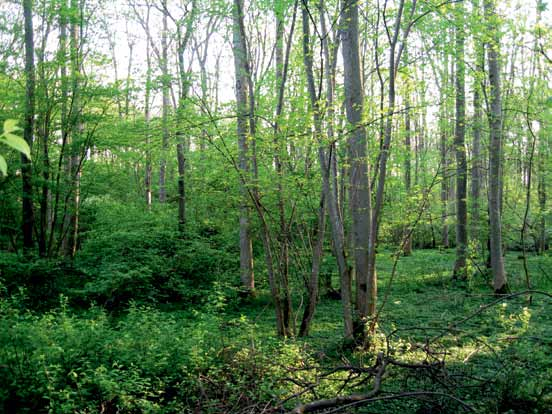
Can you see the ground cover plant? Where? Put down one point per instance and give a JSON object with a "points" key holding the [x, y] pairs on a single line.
{"points": [[178, 360]]}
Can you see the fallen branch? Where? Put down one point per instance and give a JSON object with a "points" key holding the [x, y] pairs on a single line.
{"points": [[324, 404]]}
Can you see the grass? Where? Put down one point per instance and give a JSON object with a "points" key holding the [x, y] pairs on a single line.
{"points": [[509, 344]]}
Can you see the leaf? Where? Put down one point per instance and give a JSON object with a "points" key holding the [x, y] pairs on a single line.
{"points": [[3, 166], [17, 143], [10, 125], [549, 102]]}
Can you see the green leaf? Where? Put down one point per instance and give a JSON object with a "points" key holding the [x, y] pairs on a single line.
{"points": [[17, 143], [549, 102], [10, 125], [3, 166]]}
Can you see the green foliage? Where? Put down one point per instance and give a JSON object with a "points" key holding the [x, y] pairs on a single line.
{"points": [[145, 360], [10, 139], [41, 280], [143, 258], [148, 362]]}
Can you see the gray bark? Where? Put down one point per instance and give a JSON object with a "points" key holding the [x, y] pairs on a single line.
{"points": [[495, 150], [360, 198], [336, 223], [240, 56]]}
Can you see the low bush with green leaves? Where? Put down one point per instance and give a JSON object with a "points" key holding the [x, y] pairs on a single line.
{"points": [[144, 258], [145, 362]]}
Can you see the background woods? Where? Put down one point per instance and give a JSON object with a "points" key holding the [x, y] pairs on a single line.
{"points": [[346, 202]]}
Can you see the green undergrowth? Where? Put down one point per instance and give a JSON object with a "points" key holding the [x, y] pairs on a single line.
{"points": [[222, 356]]}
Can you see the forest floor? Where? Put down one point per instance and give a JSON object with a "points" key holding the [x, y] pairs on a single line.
{"points": [[226, 358]]}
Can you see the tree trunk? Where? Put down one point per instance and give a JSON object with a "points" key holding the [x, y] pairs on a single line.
{"points": [[281, 69], [476, 178], [359, 199], [495, 150], [407, 250], [460, 265], [444, 148], [26, 167], [240, 56], [165, 86], [182, 145], [336, 223], [313, 283], [71, 221], [147, 116]]}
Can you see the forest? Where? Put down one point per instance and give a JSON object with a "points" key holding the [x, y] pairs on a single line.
{"points": [[275, 206]]}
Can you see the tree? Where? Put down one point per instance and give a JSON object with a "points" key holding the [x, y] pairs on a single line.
{"points": [[242, 112], [460, 265], [328, 169], [26, 168], [495, 149], [360, 197], [476, 165]]}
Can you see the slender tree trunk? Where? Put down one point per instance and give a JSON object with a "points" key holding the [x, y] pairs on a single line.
{"points": [[129, 75], [336, 223], [240, 56], [543, 162], [71, 221], [407, 250], [180, 139], [396, 48], [165, 85], [28, 129], [313, 284], [360, 199], [281, 69], [541, 193], [181, 160], [495, 151], [64, 129], [475, 192], [444, 147], [147, 116], [460, 265]]}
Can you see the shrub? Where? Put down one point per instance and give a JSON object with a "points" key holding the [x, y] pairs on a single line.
{"points": [[143, 258], [43, 280]]}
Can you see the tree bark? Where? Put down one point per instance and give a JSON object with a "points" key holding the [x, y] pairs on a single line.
{"points": [[165, 86], [281, 69], [407, 250], [460, 265], [495, 150], [476, 168], [325, 162], [28, 129], [359, 199], [240, 56], [147, 116], [71, 221], [444, 148]]}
